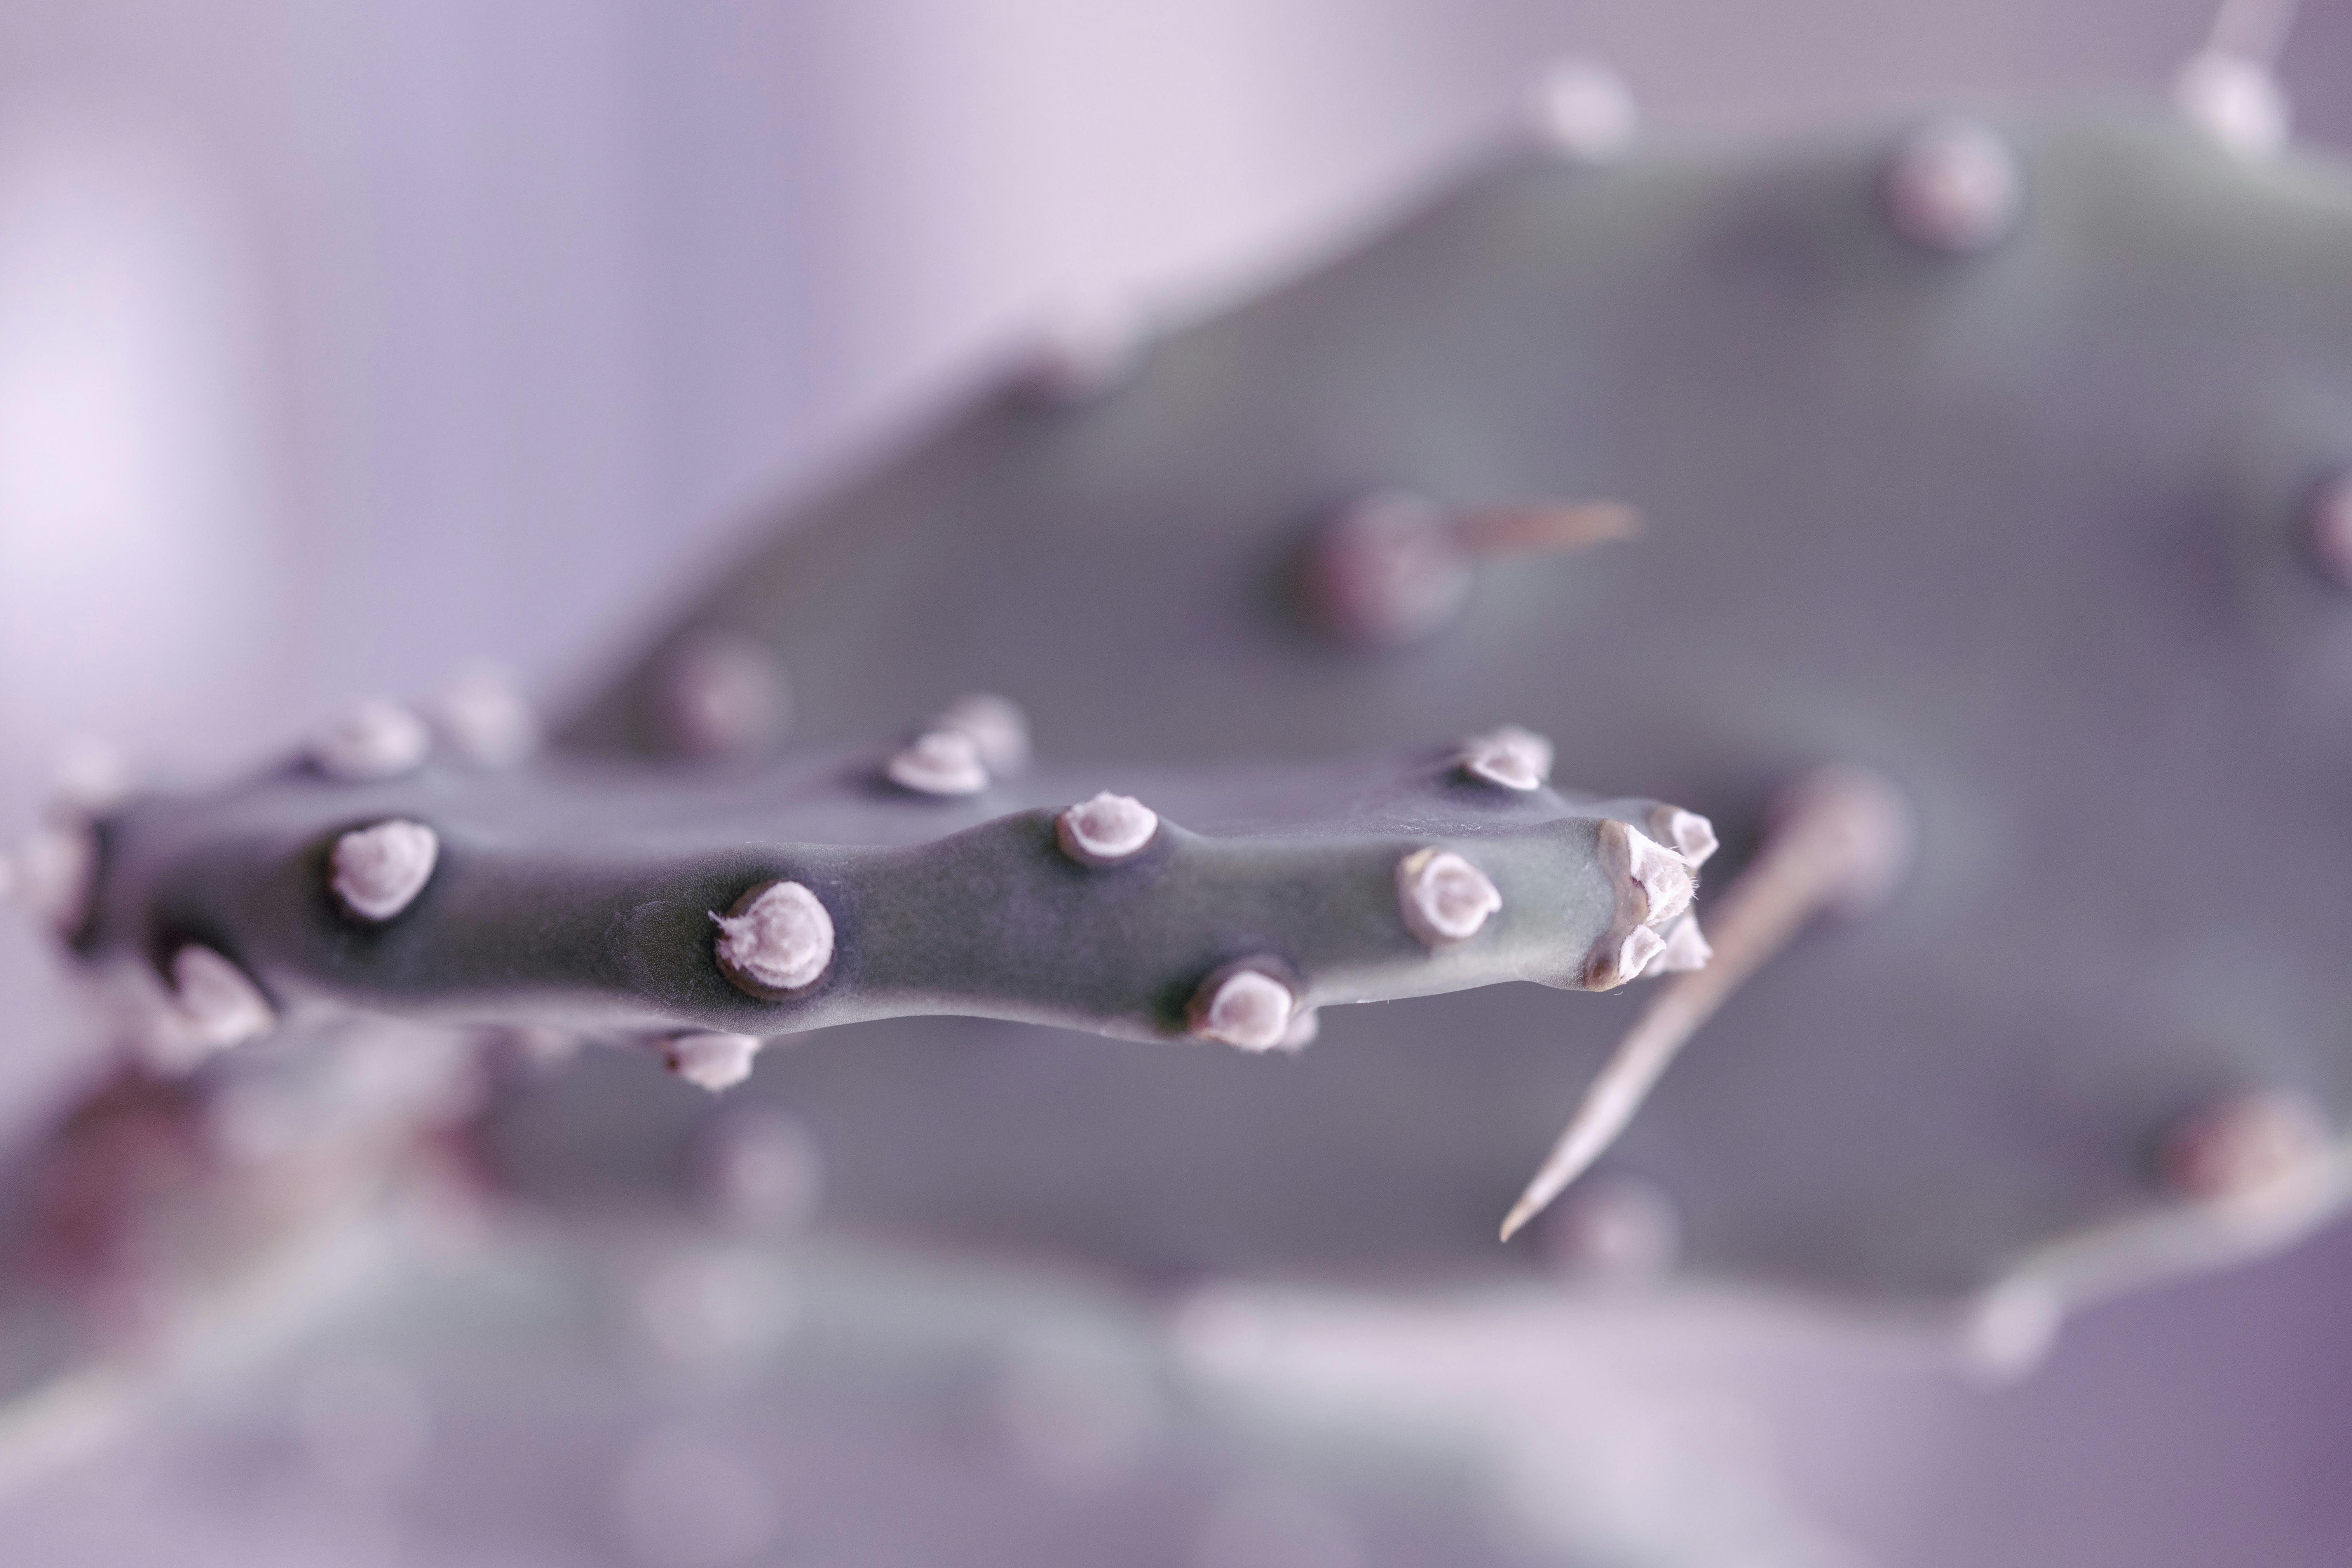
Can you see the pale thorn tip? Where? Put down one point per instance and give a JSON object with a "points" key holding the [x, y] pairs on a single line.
{"points": [[1686, 950], [1953, 186], [1106, 829], [220, 1006], [1512, 757], [1244, 1008], [2252, 1152], [723, 694], [1386, 571], [487, 717], [1444, 898], [711, 1060], [378, 871], [779, 937], [1689, 834], [1582, 111], [939, 761], [2234, 100], [1088, 346], [998, 728], [2328, 525], [377, 739]]}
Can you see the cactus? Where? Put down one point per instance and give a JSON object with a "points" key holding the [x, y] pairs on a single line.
{"points": [[1981, 454], [731, 905]]}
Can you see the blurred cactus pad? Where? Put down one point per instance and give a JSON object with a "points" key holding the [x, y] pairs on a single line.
{"points": [[1990, 473]]}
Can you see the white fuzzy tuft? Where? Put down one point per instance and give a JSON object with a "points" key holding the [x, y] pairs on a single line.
{"points": [[1386, 571], [1661, 878], [999, 730], [1686, 949], [779, 938], [1244, 1007], [1691, 836], [379, 870], [724, 695], [54, 872], [2236, 101], [2255, 1151], [939, 761], [376, 739], [1583, 111], [1444, 898], [713, 1062], [1954, 185], [1106, 829], [487, 718], [1512, 757], [220, 1006], [1089, 346]]}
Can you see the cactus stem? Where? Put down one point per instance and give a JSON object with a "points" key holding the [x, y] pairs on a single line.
{"points": [[379, 870], [1444, 898], [1106, 829], [376, 739], [218, 1005], [777, 938], [939, 761], [1512, 757], [1243, 1005], [713, 1062], [1840, 842]]}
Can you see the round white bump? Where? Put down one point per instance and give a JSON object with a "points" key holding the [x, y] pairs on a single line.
{"points": [[2010, 1329], [1387, 572], [1583, 111], [1091, 345], [376, 739], [1106, 829], [1243, 1006], [2255, 1151], [1444, 898], [379, 870], [220, 1005], [1303, 1029], [1512, 757], [997, 728], [1954, 185], [487, 718], [1616, 1229], [2328, 528], [2234, 100], [89, 777], [779, 937], [1686, 949], [940, 762], [53, 873], [711, 1060], [724, 694], [1691, 835]]}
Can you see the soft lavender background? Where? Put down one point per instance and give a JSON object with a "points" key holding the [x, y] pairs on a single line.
{"points": [[339, 342]]}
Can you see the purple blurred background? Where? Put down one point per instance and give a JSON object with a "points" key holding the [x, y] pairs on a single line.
{"points": [[341, 343]]}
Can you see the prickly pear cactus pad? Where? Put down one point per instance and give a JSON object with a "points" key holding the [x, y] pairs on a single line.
{"points": [[752, 902], [1980, 455]]}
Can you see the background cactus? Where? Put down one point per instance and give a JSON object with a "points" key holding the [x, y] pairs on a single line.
{"points": [[1980, 458]]}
